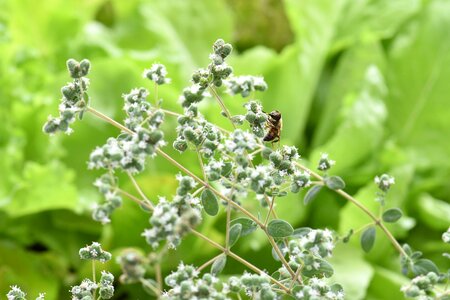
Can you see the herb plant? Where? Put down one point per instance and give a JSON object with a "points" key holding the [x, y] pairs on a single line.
{"points": [[236, 167]]}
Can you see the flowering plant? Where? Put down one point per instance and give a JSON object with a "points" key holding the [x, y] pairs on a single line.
{"points": [[230, 176]]}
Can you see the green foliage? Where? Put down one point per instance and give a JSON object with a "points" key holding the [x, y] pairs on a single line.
{"points": [[279, 228], [365, 81]]}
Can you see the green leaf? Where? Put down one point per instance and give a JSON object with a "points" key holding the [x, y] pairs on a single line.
{"points": [[44, 187], [424, 266], [248, 225], [368, 238], [324, 270], [300, 232], [354, 279], [386, 284], [433, 212], [334, 183], [210, 203], [235, 234], [392, 215], [314, 23], [219, 264], [279, 228], [372, 20], [362, 116], [281, 246], [311, 194], [416, 105]]}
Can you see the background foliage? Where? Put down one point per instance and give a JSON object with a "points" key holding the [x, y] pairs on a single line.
{"points": [[366, 81]]}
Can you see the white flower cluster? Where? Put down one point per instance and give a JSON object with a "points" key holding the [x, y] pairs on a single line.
{"points": [[318, 289], [239, 142], [217, 71], [256, 117], [325, 163], [185, 284], [106, 184], [106, 285], [257, 286], [244, 85], [95, 252], [422, 288], [133, 265], [193, 129], [157, 73], [136, 107], [74, 100], [307, 250], [384, 182], [127, 152], [172, 220], [84, 291]]}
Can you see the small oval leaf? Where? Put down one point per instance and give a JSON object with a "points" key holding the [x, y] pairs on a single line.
{"points": [[311, 194], [279, 228], [300, 232], [210, 203], [392, 215], [248, 225], [424, 266], [334, 183], [219, 264], [281, 246], [235, 234], [368, 238], [226, 169]]}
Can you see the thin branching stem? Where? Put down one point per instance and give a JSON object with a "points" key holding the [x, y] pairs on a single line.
{"points": [[222, 105]]}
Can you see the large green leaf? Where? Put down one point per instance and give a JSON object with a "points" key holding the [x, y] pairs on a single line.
{"points": [[293, 78], [351, 271], [369, 20], [361, 130], [433, 212], [43, 187], [346, 81], [419, 85]]}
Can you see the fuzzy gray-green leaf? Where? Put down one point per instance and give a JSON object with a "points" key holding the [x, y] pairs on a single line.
{"points": [[311, 194], [279, 228], [368, 238], [219, 264], [334, 183], [235, 233], [210, 203], [392, 215]]}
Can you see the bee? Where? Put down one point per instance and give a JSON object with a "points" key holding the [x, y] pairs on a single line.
{"points": [[274, 125]]}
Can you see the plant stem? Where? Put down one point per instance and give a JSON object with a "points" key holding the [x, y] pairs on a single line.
{"points": [[222, 105], [200, 159], [150, 286], [238, 258], [270, 211], [109, 120], [363, 208], [227, 228], [93, 277], [159, 276], [138, 188]]}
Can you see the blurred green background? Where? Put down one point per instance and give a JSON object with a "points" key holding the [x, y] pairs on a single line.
{"points": [[366, 81]]}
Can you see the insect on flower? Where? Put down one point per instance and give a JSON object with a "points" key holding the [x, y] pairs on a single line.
{"points": [[274, 125]]}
